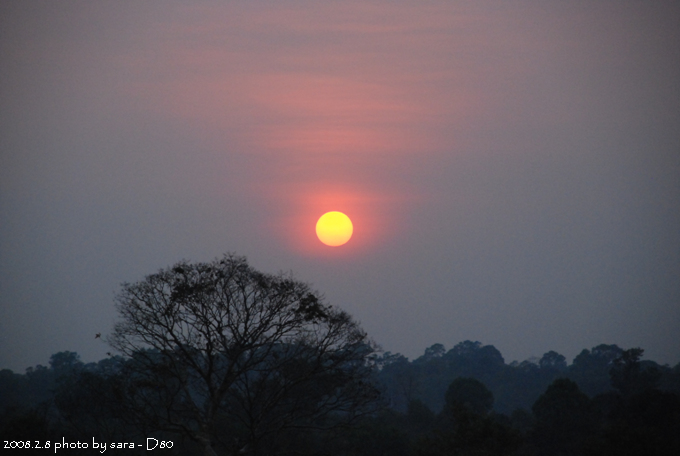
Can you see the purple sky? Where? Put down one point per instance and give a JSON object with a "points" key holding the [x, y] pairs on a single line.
{"points": [[512, 169]]}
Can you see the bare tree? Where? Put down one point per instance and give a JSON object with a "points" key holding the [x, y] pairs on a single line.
{"points": [[233, 358]]}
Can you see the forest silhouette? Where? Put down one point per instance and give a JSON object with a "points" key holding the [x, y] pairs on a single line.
{"points": [[220, 359]]}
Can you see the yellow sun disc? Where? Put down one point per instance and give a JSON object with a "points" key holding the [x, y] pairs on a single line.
{"points": [[334, 228]]}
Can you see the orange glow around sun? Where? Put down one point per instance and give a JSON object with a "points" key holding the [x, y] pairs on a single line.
{"points": [[334, 228], [294, 215]]}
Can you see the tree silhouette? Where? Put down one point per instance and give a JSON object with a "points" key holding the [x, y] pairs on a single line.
{"points": [[553, 361], [234, 358], [469, 393], [466, 426], [628, 376], [563, 419]]}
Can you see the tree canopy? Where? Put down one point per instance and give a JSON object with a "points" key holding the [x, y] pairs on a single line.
{"points": [[220, 344]]}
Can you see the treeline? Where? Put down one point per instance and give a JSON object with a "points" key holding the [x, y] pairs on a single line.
{"points": [[515, 385], [463, 401], [220, 359]]}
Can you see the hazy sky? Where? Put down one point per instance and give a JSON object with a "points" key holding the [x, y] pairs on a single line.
{"points": [[512, 168]]}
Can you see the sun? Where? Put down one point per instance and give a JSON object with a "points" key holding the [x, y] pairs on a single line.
{"points": [[334, 228]]}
